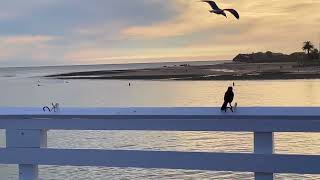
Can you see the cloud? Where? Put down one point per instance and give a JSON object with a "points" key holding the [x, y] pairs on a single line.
{"points": [[59, 17], [28, 49], [81, 31], [189, 19], [25, 40], [275, 25], [100, 56], [194, 18]]}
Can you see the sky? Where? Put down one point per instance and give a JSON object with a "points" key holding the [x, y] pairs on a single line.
{"points": [[60, 32]]}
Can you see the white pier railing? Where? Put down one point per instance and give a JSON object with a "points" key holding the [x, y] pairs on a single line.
{"points": [[26, 137]]}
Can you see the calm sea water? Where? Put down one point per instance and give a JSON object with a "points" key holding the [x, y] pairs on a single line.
{"points": [[19, 87]]}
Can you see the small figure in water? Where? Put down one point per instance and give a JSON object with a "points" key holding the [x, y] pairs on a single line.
{"points": [[129, 84], [228, 98]]}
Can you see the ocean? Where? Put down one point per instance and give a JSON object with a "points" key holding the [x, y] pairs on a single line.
{"points": [[25, 86]]}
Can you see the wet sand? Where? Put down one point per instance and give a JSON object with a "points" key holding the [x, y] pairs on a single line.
{"points": [[225, 71]]}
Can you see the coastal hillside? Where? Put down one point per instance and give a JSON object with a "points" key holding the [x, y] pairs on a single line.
{"points": [[269, 56]]}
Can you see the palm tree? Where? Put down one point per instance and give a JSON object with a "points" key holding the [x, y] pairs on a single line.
{"points": [[307, 46]]}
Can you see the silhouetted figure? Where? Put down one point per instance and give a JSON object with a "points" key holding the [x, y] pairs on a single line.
{"points": [[228, 98]]}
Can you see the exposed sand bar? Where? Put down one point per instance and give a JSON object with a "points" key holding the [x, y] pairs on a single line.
{"points": [[225, 71]]}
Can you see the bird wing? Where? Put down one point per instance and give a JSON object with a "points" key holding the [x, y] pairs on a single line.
{"points": [[212, 4], [234, 12]]}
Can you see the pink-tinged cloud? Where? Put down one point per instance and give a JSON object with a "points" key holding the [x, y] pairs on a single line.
{"points": [[25, 39]]}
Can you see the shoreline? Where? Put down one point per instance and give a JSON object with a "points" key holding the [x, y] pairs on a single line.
{"points": [[223, 71]]}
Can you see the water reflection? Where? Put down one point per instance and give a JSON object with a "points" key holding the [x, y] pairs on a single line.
{"points": [[157, 93], [83, 93]]}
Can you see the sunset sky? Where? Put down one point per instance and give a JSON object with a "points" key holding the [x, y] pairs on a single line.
{"points": [[55, 32]]}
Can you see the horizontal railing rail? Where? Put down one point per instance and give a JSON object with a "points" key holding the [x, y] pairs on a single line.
{"points": [[242, 162], [26, 138]]}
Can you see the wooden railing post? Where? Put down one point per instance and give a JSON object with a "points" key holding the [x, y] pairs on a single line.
{"points": [[16, 138], [263, 144]]}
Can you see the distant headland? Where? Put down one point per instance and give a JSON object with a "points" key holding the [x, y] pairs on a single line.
{"points": [[269, 57], [311, 53]]}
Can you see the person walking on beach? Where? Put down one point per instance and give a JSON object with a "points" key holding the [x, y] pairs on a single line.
{"points": [[228, 98]]}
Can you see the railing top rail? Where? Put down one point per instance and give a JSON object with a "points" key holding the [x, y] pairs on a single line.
{"points": [[251, 119], [169, 111]]}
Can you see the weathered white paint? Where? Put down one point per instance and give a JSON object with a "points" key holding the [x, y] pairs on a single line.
{"points": [[21, 138], [28, 172], [263, 144], [26, 138]]}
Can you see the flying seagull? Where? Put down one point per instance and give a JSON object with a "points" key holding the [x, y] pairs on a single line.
{"points": [[217, 10]]}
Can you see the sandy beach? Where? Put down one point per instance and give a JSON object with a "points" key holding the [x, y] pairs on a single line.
{"points": [[224, 71]]}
